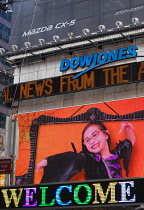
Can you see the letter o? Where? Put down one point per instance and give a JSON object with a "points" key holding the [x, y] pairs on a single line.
{"points": [[74, 63], [89, 194]]}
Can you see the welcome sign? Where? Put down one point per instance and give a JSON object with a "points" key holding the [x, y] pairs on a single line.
{"points": [[72, 194]]}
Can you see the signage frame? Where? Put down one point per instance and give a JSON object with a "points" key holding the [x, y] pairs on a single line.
{"points": [[94, 193]]}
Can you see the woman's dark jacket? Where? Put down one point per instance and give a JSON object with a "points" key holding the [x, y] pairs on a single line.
{"points": [[62, 167]]}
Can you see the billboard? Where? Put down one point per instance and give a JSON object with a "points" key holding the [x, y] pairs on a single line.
{"points": [[33, 20], [88, 142]]}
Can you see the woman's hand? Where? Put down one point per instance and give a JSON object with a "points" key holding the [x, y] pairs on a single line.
{"points": [[127, 127], [125, 124], [41, 165]]}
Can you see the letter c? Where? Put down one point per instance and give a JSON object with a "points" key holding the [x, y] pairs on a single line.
{"points": [[58, 196]]}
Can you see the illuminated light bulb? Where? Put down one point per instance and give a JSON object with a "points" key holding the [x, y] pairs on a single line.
{"points": [[70, 34], [135, 20], [41, 41], [2, 50], [27, 44], [14, 48], [118, 24], [55, 38], [86, 31], [101, 28]]}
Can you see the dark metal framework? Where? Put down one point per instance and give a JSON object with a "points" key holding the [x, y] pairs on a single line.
{"points": [[60, 44]]}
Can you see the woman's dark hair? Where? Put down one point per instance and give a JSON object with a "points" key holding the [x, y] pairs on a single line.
{"points": [[102, 128], [90, 166]]}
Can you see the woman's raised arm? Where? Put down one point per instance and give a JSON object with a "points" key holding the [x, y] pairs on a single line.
{"points": [[127, 127]]}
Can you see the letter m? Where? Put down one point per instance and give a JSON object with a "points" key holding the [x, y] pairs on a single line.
{"points": [[86, 60], [26, 34], [103, 196]]}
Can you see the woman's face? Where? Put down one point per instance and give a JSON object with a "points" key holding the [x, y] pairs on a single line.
{"points": [[95, 140]]}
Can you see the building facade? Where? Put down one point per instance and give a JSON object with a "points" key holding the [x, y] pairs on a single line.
{"points": [[62, 85], [6, 78], [35, 78]]}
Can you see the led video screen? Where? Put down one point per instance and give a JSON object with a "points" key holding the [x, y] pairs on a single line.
{"points": [[89, 142]]}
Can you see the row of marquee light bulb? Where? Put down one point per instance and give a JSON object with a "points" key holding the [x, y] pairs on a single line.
{"points": [[85, 31]]}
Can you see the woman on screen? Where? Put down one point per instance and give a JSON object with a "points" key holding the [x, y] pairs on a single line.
{"points": [[96, 158]]}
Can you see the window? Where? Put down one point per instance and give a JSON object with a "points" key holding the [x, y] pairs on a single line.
{"points": [[5, 80], [6, 15], [2, 120], [4, 62], [1, 98], [4, 33]]}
